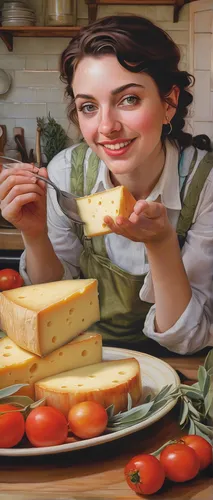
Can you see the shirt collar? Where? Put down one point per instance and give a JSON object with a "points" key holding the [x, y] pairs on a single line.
{"points": [[167, 187]]}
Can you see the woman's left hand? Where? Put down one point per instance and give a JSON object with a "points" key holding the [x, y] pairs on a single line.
{"points": [[148, 223]]}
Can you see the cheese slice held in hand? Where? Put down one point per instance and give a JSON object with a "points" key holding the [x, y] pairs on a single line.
{"points": [[18, 366], [41, 318], [113, 202], [107, 383]]}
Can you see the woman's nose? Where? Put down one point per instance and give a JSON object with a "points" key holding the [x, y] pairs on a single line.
{"points": [[108, 124]]}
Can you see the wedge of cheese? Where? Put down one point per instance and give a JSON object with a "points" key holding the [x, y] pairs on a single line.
{"points": [[42, 318], [113, 202], [18, 366], [108, 383]]}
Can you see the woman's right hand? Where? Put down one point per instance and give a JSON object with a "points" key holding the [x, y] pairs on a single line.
{"points": [[23, 198]]}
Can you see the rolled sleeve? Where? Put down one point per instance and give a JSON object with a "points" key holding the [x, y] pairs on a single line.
{"points": [[188, 335], [22, 269], [193, 330]]}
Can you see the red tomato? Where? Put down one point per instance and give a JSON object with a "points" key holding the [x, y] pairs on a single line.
{"points": [[12, 426], [144, 474], [46, 426], [180, 462], [10, 279], [87, 419], [202, 448]]}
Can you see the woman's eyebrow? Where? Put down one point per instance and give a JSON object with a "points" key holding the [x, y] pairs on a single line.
{"points": [[113, 92]]}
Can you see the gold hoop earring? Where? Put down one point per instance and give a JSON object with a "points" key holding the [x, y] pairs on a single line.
{"points": [[170, 126]]}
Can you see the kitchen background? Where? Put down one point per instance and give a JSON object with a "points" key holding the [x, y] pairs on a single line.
{"points": [[37, 91]]}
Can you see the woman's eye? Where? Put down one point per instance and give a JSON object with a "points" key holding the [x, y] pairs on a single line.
{"points": [[129, 100], [87, 108]]}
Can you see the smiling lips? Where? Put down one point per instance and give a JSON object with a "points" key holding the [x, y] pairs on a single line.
{"points": [[116, 147]]}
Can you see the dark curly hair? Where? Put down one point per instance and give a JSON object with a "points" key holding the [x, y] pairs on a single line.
{"points": [[139, 45]]}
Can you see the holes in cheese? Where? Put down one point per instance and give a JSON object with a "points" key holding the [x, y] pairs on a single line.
{"points": [[24, 367], [108, 383], [113, 202], [49, 315]]}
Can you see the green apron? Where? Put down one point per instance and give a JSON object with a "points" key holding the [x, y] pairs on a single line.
{"points": [[122, 311]]}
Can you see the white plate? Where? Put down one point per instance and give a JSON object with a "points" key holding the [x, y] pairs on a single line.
{"points": [[155, 375]]}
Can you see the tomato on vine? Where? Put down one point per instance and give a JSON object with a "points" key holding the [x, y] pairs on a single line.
{"points": [[144, 474], [202, 448], [180, 462]]}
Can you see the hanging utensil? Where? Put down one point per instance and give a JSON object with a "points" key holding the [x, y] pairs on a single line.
{"points": [[5, 81]]}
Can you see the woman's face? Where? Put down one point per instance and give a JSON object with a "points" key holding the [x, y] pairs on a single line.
{"points": [[120, 113]]}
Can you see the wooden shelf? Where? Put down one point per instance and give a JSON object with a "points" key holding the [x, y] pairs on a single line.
{"points": [[11, 239], [7, 33], [93, 5]]}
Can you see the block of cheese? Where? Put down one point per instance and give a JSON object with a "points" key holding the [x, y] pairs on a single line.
{"points": [[41, 318], [108, 383], [18, 366], [113, 202]]}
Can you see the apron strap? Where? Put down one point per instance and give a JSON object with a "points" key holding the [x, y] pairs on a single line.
{"points": [[189, 203]]}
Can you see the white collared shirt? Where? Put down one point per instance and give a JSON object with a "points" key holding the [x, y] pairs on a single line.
{"points": [[192, 331]]}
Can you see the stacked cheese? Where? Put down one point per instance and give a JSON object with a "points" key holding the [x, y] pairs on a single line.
{"points": [[42, 318], [18, 366], [107, 383], [113, 202], [41, 321], [45, 347]]}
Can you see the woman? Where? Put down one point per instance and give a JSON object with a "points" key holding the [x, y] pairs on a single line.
{"points": [[129, 99]]}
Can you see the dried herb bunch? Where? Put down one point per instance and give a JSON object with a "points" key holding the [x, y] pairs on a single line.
{"points": [[53, 136]]}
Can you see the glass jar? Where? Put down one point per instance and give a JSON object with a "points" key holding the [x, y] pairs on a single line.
{"points": [[60, 12]]}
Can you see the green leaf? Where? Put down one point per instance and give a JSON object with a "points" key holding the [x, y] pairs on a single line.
{"points": [[195, 386], [206, 429], [202, 434], [202, 373], [206, 385], [208, 401], [35, 404], [208, 363], [192, 393], [110, 411], [129, 402], [20, 400], [165, 390], [184, 412], [133, 415], [12, 389], [148, 398], [2, 334], [193, 410], [191, 427]]}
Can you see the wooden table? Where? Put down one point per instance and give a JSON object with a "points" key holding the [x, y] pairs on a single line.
{"points": [[97, 472]]}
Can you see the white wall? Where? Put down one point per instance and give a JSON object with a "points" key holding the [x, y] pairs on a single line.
{"points": [[201, 64], [33, 65]]}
